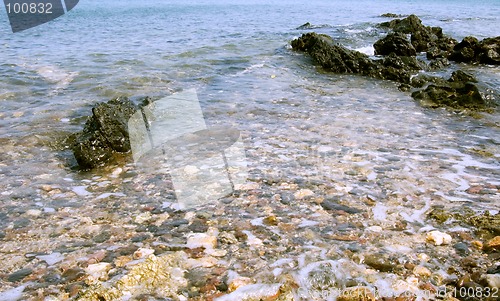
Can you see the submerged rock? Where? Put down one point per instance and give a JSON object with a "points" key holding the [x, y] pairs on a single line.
{"points": [[461, 95], [104, 133]]}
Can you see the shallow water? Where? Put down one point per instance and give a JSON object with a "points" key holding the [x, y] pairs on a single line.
{"points": [[356, 140]]}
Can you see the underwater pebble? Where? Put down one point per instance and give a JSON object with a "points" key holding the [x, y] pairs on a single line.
{"points": [[238, 281], [51, 259], [247, 186], [34, 212], [98, 271], [19, 275], [196, 240], [438, 238], [143, 217], [303, 193], [494, 243], [422, 271], [254, 292], [143, 253]]}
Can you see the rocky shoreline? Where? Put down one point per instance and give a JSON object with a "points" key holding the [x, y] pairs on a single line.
{"points": [[400, 63]]}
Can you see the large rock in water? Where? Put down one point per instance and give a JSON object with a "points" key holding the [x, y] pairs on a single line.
{"points": [[423, 38], [104, 133], [458, 92], [338, 59], [394, 42], [334, 57]]}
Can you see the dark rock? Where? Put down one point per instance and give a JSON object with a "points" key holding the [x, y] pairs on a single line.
{"points": [[338, 59], [465, 51], [394, 42], [331, 205], [422, 37], [334, 57], [407, 25], [104, 133], [457, 92], [462, 248], [390, 15], [465, 96], [439, 63], [73, 274], [423, 79], [19, 275], [380, 262], [471, 50], [460, 76], [311, 26], [102, 237], [305, 26], [489, 51], [198, 226], [400, 68]]}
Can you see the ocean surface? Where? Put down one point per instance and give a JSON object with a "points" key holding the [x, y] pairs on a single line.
{"points": [[298, 123]]}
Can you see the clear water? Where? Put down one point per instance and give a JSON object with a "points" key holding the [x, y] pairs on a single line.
{"points": [[353, 135]]}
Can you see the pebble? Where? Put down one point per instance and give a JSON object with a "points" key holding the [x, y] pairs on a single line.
{"points": [[238, 282], [143, 217], [462, 248], [19, 275], [259, 291], [494, 243], [143, 253], [34, 212], [196, 240], [438, 238], [73, 274], [98, 271], [422, 271], [303, 193], [379, 262]]}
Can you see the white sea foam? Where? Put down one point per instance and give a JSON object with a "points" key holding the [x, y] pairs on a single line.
{"points": [[368, 50]]}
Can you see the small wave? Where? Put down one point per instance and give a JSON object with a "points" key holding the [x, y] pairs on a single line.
{"points": [[368, 50]]}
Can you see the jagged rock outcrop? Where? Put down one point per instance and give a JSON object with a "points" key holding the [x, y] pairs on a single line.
{"points": [[399, 62], [104, 134]]}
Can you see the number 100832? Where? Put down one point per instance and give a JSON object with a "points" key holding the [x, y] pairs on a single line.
{"points": [[29, 8]]}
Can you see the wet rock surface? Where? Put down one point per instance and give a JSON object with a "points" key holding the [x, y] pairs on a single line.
{"points": [[400, 63], [471, 50], [105, 133]]}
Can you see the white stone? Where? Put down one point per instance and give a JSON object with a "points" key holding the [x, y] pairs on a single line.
{"points": [[51, 259], [143, 253], [143, 217], [196, 240], [438, 238], [493, 280], [376, 229], [34, 212], [422, 271], [98, 271], [253, 292], [303, 193]]}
